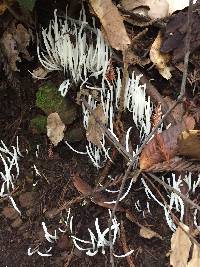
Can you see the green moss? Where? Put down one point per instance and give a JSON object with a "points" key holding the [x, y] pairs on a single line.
{"points": [[48, 98], [39, 124]]}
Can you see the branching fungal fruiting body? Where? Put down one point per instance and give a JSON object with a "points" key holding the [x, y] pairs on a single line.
{"points": [[69, 50], [11, 171], [175, 202]]}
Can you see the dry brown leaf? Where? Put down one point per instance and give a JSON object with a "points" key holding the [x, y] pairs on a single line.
{"points": [[15, 41], [177, 111], [195, 261], [189, 144], [164, 146], [158, 9], [40, 73], [3, 7], [180, 247], [55, 128], [175, 5], [153, 8], [112, 23], [98, 197], [94, 132], [131, 5], [159, 59], [83, 187], [148, 234], [175, 164]]}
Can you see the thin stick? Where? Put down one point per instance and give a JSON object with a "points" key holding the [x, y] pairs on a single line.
{"points": [[108, 134], [133, 162], [172, 214], [187, 51], [125, 246], [184, 198]]}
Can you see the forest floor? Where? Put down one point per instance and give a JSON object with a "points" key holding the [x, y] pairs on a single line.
{"points": [[47, 183]]}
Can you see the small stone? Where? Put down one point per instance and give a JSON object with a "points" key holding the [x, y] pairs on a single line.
{"points": [[17, 223], [10, 213], [26, 199]]}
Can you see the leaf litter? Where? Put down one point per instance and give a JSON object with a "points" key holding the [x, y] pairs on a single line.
{"points": [[174, 149]]}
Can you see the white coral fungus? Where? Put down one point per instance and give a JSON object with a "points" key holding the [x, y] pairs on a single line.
{"points": [[175, 202], [68, 48], [98, 240], [9, 159]]}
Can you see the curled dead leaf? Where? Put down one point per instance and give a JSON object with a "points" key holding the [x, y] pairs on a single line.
{"points": [[3, 7], [175, 164], [195, 261], [175, 5], [189, 144], [112, 23], [40, 73], [55, 128], [98, 197], [164, 146], [148, 233], [177, 111], [15, 41], [94, 132], [153, 8], [159, 59], [180, 247]]}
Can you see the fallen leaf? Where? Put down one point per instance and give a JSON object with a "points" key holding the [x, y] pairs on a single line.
{"points": [[98, 197], [55, 128], [158, 9], [195, 261], [83, 187], [189, 144], [15, 41], [164, 146], [148, 234], [112, 23], [175, 164], [175, 35], [175, 5], [159, 59], [94, 132], [131, 5], [3, 7], [40, 73], [155, 9], [180, 247], [177, 111]]}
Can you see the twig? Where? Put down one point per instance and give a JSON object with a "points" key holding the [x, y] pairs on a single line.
{"points": [[118, 146], [132, 163], [128, 156], [125, 246], [184, 198], [69, 257], [187, 52], [172, 214]]}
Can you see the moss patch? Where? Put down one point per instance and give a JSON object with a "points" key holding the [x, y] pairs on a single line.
{"points": [[49, 100], [39, 124]]}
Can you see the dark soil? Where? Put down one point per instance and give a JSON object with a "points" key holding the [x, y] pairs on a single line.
{"points": [[41, 197]]}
